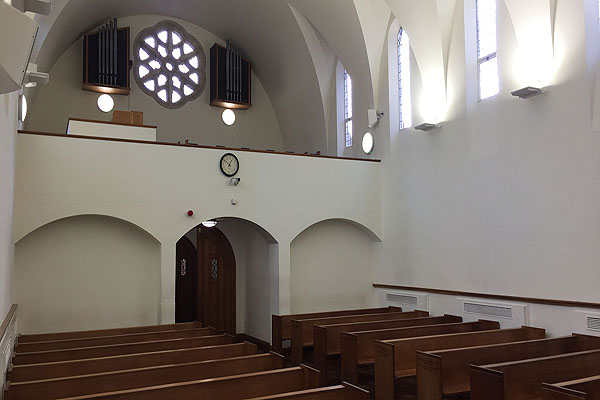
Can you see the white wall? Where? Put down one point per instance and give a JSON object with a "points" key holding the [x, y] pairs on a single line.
{"points": [[8, 129], [503, 198], [153, 186], [331, 268], [197, 121], [86, 272]]}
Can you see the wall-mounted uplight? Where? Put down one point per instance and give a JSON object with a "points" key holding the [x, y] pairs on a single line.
{"points": [[106, 103], [427, 127], [210, 223], [22, 108], [528, 92], [228, 117], [368, 143]]}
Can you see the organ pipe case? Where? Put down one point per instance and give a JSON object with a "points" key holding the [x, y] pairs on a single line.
{"points": [[230, 76], [106, 60]]}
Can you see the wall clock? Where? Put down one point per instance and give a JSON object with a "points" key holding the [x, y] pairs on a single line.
{"points": [[229, 164]]}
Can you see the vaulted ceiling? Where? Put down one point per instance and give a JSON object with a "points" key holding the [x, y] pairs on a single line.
{"points": [[268, 31]]}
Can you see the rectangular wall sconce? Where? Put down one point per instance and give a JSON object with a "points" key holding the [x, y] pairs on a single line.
{"points": [[427, 127], [528, 92]]}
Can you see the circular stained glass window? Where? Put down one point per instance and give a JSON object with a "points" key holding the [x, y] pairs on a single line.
{"points": [[169, 64]]}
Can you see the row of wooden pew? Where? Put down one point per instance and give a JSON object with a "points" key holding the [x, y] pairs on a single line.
{"points": [[447, 357], [179, 361]]}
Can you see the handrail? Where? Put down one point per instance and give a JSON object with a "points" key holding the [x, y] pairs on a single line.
{"points": [[7, 320], [190, 146], [533, 300]]}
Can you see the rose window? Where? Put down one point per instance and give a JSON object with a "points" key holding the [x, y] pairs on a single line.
{"points": [[169, 64]]}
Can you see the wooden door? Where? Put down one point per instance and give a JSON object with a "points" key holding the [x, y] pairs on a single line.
{"points": [[216, 287], [186, 281]]}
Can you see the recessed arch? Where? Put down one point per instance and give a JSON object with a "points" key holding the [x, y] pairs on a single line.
{"points": [[368, 231], [24, 234], [87, 272]]}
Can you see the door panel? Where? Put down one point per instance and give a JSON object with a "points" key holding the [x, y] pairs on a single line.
{"points": [[217, 289], [186, 281]]}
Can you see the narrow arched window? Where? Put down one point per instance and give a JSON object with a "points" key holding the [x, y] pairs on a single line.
{"points": [[487, 62], [404, 80], [348, 107]]}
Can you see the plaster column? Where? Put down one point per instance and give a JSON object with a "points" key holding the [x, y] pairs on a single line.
{"points": [[167, 283], [284, 278]]}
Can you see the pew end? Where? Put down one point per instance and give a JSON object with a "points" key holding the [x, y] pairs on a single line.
{"points": [[385, 368]]}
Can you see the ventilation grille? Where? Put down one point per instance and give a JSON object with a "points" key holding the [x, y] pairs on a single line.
{"points": [[488, 310], [593, 323], [401, 299]]}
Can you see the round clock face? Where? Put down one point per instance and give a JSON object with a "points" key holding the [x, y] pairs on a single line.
{"points": [[229, 164]]}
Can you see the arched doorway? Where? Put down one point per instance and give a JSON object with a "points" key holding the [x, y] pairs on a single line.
{"points": [[206, 291]]}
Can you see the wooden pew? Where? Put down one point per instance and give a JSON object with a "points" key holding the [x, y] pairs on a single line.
{"points": [[585, 388], [139, 378], [34, 372], [302, 330], [358, 348], [107, 332], [117, 339], [327, 341], [118, 349], [520, 380], [235, 387], [445, 373], [281, 325], [345, 391]]}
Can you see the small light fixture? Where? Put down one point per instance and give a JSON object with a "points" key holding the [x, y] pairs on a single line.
{"points": [[228, 117], [210, 223], [368, 143], [528, 92], [22, 108], [106, 103], [427, 127]]}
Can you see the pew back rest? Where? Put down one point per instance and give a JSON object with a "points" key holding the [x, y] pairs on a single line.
{"points": [[235, 387], [334, 331], [116, 339], [454, 363], [151, 376], [106, 332], [113, 350], [364, 342], [282, 324], [405, 349], [338, 392], [586, 388], [304, 327], [520, 380], [33, 372]]}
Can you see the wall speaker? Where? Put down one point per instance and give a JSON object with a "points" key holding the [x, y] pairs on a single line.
{"points": [[16, 43]]}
